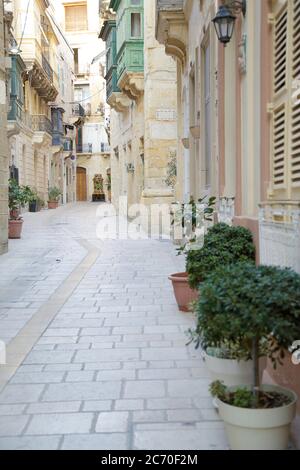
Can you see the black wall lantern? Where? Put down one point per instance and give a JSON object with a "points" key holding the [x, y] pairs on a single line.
{"points": [[225, 19]]}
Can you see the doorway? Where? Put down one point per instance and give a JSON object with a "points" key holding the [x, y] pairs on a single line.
{"points": [[81, 184]]}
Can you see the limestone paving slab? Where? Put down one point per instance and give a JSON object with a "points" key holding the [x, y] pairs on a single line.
{"points": [[108, 367]]}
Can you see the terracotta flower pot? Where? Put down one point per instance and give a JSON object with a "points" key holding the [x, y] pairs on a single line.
{"points": [[15, 229], [183, 293], [52, 204], [15, 214]]}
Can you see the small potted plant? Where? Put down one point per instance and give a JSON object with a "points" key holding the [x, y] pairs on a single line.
{"points": [[33, 203], [191, 219], [54, 195], [18, 197], [40, 203], [253, 305]]}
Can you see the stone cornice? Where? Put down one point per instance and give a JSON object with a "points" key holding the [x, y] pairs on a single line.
{"points": [[119, 102], [40, 82], [172, 31]]}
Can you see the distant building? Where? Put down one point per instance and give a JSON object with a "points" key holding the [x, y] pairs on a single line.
{"points": [[80, 21], [40, 128]]}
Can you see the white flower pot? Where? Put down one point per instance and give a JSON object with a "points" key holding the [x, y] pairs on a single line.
{"points": [[231, 372], [264, 429]]}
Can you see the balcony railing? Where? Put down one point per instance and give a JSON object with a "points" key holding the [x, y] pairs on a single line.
{"points": [[47, 68], [78, 110], [68, 145], [84, 148], [18, 114], [105, 148], [40, 123]]}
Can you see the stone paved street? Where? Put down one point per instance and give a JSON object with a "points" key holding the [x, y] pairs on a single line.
{"points": [[96, 347]]}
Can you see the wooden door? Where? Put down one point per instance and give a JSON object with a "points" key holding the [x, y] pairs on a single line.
{"points": [[81, 184]]}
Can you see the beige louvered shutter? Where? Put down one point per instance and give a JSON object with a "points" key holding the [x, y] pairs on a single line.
{"points": [[279, 147], [295, 115], [280, 56], [296, 39], [295, 154]]}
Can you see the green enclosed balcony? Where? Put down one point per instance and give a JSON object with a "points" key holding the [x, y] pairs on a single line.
{"points": [[130, 46], [17, 117], [109, 35]]}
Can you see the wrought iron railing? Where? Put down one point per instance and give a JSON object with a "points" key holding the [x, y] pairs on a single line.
{"points": [[68, 145], [47, 68], [105, 148], [40, 123], [78, 110], [84, 148]]}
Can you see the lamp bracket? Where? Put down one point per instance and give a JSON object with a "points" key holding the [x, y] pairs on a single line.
{"points": [[236, 6]]}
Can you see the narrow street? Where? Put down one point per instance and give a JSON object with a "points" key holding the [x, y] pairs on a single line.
{"points": [[97, 355]]}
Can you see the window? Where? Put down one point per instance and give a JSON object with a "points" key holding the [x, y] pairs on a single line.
{"points": [[76, 62], [285, 145], [136, 25], [82, 93], [76, 17]]}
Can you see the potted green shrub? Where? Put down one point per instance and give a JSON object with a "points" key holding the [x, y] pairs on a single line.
{"points": [[40, 203], [18, 197], [54, 195], [223, 245], [191, 218], [252, 305]]}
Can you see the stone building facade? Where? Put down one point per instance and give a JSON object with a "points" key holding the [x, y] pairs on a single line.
{"points": [[40, 122], [80, 22], [239, 121]]}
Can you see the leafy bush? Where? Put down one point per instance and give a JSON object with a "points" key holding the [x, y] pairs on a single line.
{"points": [[223, 245], [54, 194], [249, 305], [18, 196]]}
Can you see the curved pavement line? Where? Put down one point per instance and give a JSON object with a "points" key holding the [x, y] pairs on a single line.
{"points": [[22, 344]]}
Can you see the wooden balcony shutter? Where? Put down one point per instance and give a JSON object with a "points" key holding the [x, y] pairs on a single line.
{"points": [[280, 86], [295, 153], [295, 140], [76, 17], [296, 39], [280, 56], [279, 146]]}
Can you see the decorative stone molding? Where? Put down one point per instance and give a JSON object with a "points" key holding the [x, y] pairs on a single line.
{"points": [[41, 139], [119, 102], [226, 210], [40, 81], [16, 127], [195, 131], [242, 56], [172, 30], [132, 84]]}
